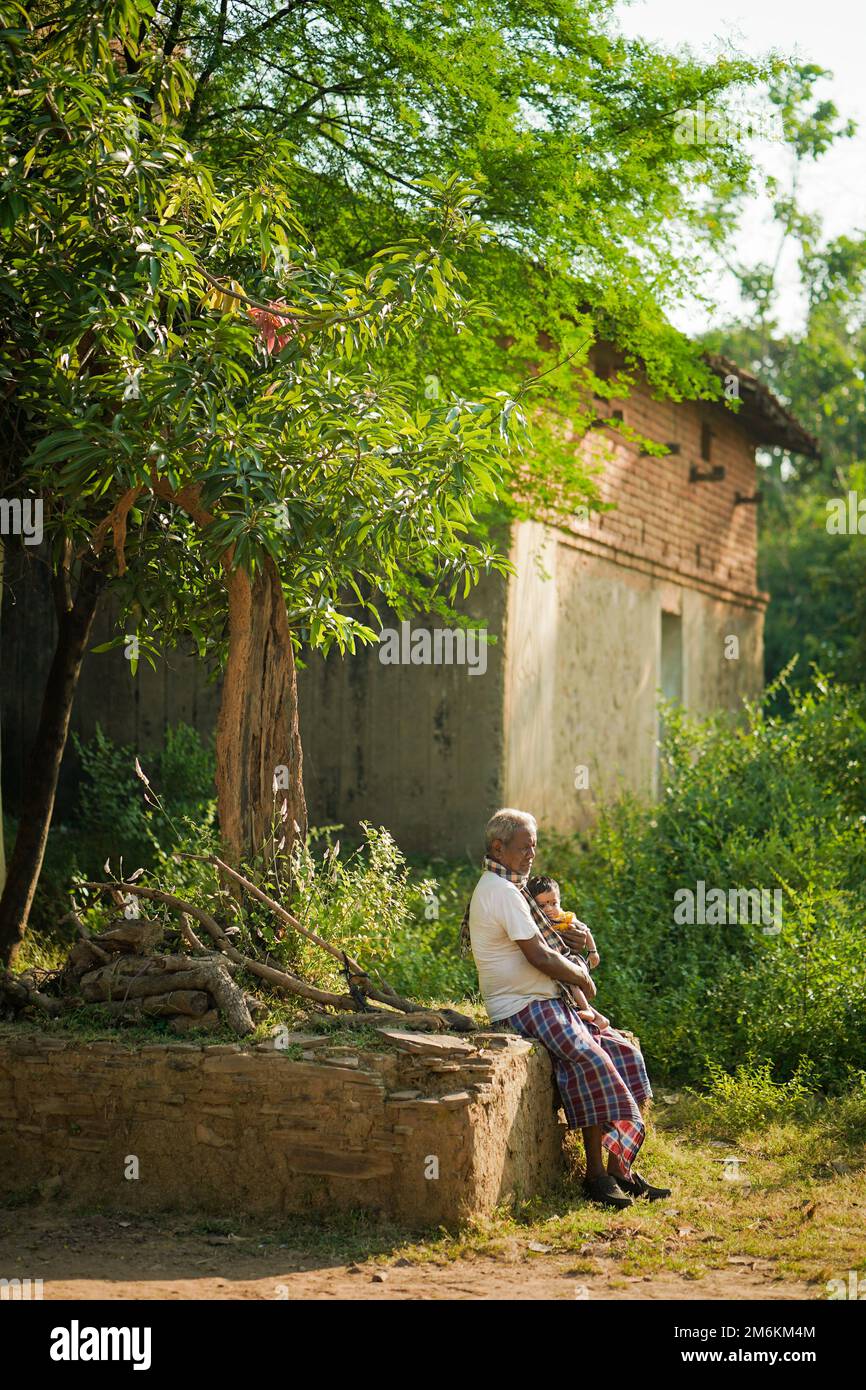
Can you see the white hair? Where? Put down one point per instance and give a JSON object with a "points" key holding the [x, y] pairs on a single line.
{"points": [[503, 825]]}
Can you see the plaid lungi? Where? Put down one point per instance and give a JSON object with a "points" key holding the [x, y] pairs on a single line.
{"points": [[602, 1078]]}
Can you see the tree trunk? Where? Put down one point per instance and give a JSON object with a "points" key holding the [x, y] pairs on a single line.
{"points": [[258, 741], [2, 836], [258, 738], [75, 618]]}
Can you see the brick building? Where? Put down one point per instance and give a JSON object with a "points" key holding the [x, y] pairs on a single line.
{"points": [[638, 599], [657, 596]]}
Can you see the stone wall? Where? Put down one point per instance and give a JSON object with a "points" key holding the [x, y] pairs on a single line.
{"points": [[229, 1129]]}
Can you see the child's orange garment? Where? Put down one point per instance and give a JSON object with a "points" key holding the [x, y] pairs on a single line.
{"points": [[567, 921]]}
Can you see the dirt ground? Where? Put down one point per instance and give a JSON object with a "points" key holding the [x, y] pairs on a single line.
{"points": [[105, 1257]]}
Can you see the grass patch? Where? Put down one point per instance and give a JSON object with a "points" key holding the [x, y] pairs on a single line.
{"points": [[787, 1212]]}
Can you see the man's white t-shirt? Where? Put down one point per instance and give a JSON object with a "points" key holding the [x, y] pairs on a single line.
{"points": [[499, 917]]}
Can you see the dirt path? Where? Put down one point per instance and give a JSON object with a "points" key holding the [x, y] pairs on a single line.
{"points": [[100, 1258]]}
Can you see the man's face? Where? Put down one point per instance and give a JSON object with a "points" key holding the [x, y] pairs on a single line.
{"points": [[519, 853], [549, 904]]}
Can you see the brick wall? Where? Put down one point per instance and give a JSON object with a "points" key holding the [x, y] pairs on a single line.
{"points": [[226, 1129], [663, 523]]}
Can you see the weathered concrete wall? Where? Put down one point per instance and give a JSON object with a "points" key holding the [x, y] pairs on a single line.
{"points": [[227, 1129], [714, 680], [415, 748], [133, 710], [584, 668], [589, 696]]}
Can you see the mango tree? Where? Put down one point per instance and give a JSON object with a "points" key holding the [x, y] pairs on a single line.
{"points": [[209, 412]]}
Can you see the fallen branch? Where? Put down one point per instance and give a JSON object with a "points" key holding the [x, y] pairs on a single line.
{"points": [[137, 936], [279, 979], [188, 934], [163, 976], [85, 956], [423, 1021], [381, 992], [141, 965], [228, 997], [104, 984], [194, 1003], [17, 990]]}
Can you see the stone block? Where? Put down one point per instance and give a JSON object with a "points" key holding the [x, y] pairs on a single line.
{"points": [[204, 1135]]}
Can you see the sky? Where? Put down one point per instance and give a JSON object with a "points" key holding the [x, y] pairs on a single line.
{"points": [[831, 33]]}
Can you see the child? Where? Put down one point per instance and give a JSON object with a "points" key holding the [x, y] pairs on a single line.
{"points": [[545, 891]]}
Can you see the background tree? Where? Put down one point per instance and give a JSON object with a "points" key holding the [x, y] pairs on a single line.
{"points": [[568, 130], [817, 579]]}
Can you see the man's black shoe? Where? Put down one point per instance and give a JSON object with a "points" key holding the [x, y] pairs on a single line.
{"points": [[607, 1191], [639, 1187]]}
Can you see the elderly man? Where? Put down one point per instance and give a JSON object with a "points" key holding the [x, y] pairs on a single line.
{"points": [[524, 970]]}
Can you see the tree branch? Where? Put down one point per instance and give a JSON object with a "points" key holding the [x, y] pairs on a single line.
{"points": [[168, 48], [280, 979], [210, 67]]}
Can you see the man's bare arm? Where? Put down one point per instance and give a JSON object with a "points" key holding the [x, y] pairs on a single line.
{"points": [[557, 966]]}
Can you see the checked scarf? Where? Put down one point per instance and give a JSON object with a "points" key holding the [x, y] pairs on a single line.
{"points": [[549, 933]]}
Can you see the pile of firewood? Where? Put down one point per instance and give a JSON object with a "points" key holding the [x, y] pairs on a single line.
{"points": [[118, 970], [122, 971]]}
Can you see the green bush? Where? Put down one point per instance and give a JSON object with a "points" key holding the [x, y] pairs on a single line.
{"points": [[426, 963], [817, 582], [370, 903], [790, 1119], [734, 1104], [771, 804], [110, 797], [184, 772], [768, 803], [112, 821]]}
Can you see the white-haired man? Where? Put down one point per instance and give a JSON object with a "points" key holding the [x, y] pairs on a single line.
{"points": [[524, 969]]}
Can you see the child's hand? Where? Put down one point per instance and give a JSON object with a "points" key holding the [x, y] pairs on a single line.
{"points": [[576, 937], [594, 958], [591, 1016]]}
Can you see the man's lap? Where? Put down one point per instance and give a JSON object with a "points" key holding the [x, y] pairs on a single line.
{"points": [[570, 1039], [553, 1023]]}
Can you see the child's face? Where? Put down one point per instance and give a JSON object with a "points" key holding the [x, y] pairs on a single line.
{"points": [[549, 903]]}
